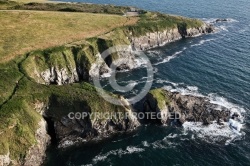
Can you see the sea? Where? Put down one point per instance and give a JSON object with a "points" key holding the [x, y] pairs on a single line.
{"points": [[216, 66]]}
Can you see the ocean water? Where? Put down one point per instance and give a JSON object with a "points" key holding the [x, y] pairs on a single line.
{"points": [[215, 65]]}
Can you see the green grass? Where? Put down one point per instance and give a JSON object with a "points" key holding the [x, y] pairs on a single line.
{"points": [[5, 4], [18, 126], [19, 119], [24, 31], [161, 97], [152, 21], [9, 75], [73, 7]]}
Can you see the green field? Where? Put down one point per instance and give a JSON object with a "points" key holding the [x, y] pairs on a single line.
{"points": [[23, 31]]}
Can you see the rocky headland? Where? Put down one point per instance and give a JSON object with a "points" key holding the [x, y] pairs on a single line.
{"points": [[48, 85]]}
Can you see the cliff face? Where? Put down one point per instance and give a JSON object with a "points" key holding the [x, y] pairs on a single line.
{"points": [[36, 154], [79, 62], [83, 123], [159, 38]]}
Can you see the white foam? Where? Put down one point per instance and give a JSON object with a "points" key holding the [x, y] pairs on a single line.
{"points": [[213, 20], [170, 136], [153, 53], [232, 20], [139, 62], [192, 88], [160, 81], [106, 75], [119, 152], [189, 90], [145, 143], [213, 132], [223, 27], [168, 58], [202, 42], [235, 125], [131, 149], [221, 101]]}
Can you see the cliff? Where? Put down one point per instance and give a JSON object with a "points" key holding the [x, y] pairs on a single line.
{"points": [[177, 109], [79, 61], [33, 95]]}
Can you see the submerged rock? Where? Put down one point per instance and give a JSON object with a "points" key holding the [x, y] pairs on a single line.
{"points": [[221, 20]]}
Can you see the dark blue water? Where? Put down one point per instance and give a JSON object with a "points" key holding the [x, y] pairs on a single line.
{"points": [[215, 65]]}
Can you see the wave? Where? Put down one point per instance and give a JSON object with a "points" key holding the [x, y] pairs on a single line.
{"points": [[118, 152], [223, 27], [214, 132], [153, 53], [140, 62], [213, 20], [168, 58], [145, 143], [202, 42]]}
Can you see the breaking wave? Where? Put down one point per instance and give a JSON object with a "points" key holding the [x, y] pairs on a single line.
{"points": [[168, 58], [118, 152], [228, 132], [202, 42]]}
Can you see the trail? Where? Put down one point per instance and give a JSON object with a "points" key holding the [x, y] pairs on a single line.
{"points": [[17, 82]]}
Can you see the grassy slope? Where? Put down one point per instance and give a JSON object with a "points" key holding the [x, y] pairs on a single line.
{"points": [[161, 97], [153, 21], [22, 31]]}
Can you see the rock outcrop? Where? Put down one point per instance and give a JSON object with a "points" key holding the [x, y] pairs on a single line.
{"points": [[62, 76], [84, 124], [5, 159], [36, 154], [155, 39], [178, 108]]}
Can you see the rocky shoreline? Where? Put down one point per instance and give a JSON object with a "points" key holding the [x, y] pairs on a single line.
{"points": [[75, 72], [69, 131], [156, 39], [74, 131]]}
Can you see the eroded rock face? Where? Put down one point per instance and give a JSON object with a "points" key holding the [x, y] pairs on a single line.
{"points": [[187, 108], [124, 60], [70, 131], [54, 75], [72, 64], [5, 159], [36, 153], [82, 124], [155, 39]]}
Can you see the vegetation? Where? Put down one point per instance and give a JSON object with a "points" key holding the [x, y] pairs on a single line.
{"points": [[153, 21], [23, 31], [73, 7], [43, 39], [19, 120], [161, 97]]}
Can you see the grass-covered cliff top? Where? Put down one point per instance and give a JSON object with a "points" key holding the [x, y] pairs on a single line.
{"points": [[24, 31], [31, 38], [161, 97], [31, 26]]}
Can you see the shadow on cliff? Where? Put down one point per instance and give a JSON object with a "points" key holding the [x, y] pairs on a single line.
{"points": [[65, 118]]}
